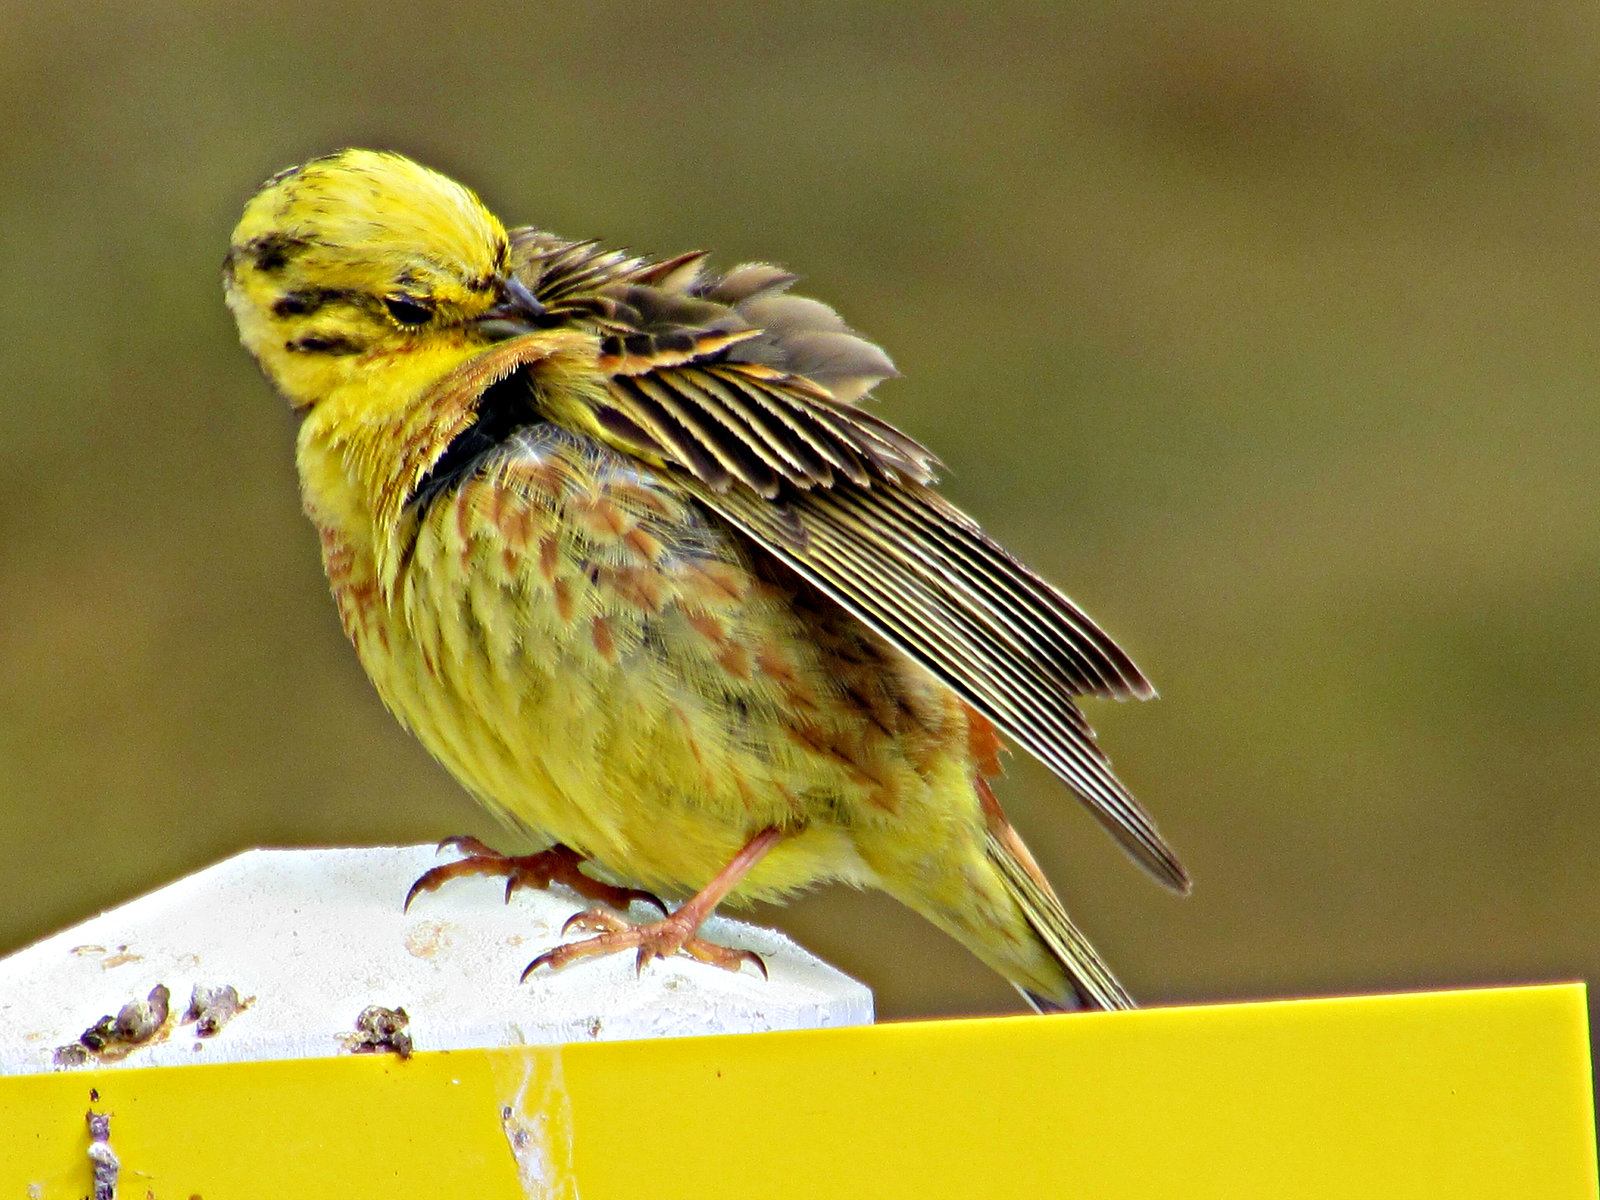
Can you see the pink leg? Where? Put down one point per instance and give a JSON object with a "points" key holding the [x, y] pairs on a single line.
{"points": [[671, 935]]}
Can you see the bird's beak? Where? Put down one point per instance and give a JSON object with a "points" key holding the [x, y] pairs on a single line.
{"points": [[517, 313]]}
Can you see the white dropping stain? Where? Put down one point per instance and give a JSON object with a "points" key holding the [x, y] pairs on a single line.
{"points": [[537, 1119]]}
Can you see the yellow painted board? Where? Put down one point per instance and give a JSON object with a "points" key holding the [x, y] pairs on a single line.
{"points": [[1454, 1094]]}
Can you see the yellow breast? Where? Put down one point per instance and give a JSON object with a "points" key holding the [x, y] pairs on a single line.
{"points": [[600, 661]]}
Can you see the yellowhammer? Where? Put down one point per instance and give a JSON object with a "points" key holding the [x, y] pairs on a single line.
{"points": [[613, 537]]}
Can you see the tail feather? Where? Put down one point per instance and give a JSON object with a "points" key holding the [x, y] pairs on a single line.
{"points": [[1089, 979]]}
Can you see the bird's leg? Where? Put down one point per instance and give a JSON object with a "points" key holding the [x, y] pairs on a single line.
{"points": [[559, 864], [670, 935]]}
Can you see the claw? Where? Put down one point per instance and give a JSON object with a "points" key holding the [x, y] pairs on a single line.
{"points": [[671, 935], [725, 957], [593, 920], [426, 882], [558, 864], [660, 939], [544, 960]]}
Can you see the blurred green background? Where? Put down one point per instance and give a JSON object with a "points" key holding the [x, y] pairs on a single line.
{"points": [[1267, 329]]}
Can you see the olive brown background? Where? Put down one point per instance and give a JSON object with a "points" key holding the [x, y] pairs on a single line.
{"points": [[1268, 330]]}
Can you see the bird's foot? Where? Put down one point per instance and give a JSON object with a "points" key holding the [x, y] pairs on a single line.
{"points": [[659, 939], [559, 864]]}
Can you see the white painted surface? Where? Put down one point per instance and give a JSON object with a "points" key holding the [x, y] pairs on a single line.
{"points": [[311, 937]]}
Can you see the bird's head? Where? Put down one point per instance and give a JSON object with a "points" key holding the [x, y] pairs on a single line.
{"points": [[363, 266]]}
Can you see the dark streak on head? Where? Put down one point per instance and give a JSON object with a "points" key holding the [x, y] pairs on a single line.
{"points": [[273, 251], [291, 172], [311, 344], [309, 300]]}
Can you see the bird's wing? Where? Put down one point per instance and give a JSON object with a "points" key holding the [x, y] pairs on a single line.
{"points": [[742, 394], [920, 573]]}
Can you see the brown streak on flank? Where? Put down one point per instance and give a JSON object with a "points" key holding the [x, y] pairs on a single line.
{"points": [[808, 736], [545, 481], [647, 548], [631, 495], [356, 595], [734, 658], [772, 662], [883, 798], [645, 590], [819, 743], [563, 598], [337, 555], [911, 718], [689, 739], [495, 510], [924, 749], [550, 557], [706, 625], [428, 665], [466, 509], [727, 579], [604, 642], [601, 518], [363, 596], [873, 712], [510, 559], [792, 802], [711, 584], [514, 522], [776, 665]]}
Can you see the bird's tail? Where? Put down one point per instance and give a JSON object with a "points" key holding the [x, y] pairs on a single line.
{"points": [[1090, 983]]}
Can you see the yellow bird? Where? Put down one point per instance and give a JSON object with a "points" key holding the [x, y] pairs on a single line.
{"points": [[614, 538]]}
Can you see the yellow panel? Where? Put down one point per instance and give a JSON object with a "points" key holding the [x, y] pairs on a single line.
{"points": [[355, 1127], [1459, 1094], [1463, 1094]]}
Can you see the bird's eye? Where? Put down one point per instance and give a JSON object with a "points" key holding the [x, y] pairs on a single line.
{"points": [[408, 310]]}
